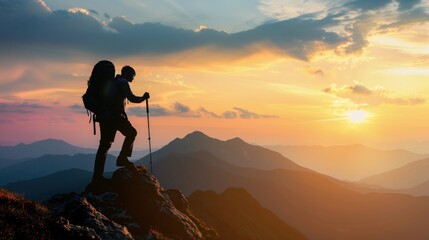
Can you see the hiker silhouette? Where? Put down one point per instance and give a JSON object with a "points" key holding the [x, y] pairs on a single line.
{"points": [[112, 116]]}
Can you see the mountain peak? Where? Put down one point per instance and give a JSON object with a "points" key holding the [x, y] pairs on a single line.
{"points": [[196, 135], [236, 140], [51, 140]]}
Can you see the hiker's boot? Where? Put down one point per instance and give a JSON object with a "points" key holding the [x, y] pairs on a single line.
{"points": [[122, 161]]}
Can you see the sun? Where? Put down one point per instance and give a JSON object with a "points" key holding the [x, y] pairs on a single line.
{"points": [[357, 116]]}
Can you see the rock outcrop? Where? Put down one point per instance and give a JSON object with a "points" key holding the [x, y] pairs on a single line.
{"points": [[131, 205]]}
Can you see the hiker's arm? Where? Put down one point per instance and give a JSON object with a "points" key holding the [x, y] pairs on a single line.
{"points": [[131, 97]]}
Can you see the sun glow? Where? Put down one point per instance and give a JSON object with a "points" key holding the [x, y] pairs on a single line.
{"points": [[357, 116]]}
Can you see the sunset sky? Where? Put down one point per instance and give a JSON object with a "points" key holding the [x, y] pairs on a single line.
{"points": [[290, 72]]}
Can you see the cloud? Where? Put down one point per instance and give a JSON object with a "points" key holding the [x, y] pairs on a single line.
{"points": [[286, 9], [78, 32], [406, 18], [314, 71], [155, 110], [358, 88], [177, 109], [30, 79], [229, 115], [181, 110], [245, 114], [78, 108], [407, 4], [21, 108], [60, 120], [27, 28], [362, 95], [369, 4]]}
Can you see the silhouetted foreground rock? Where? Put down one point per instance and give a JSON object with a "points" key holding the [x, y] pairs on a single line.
{"points": [[131, 205]]}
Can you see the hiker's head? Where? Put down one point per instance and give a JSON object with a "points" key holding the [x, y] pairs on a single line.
{"points": [[103, 70], [128, 73]]}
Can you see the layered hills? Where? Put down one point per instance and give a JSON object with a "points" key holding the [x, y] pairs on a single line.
{"points": [[348, 162]]}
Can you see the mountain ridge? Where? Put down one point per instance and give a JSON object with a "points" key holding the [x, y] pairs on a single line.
{"points": [[48, 164], [235, 151], [40, 148], [407, 176]]}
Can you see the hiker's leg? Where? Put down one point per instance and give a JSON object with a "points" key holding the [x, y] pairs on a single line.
{"points": [[130, 133], [107, 136], [100, 160]]}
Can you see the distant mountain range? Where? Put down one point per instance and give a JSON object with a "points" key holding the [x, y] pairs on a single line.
{"points": [[234, 151], [408, 176], [40, 148], [351, 163], [10, 155], [419, 190], [49, 164]]}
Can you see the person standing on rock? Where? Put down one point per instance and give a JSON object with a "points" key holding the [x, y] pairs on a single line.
{"points": [[115, 119]]}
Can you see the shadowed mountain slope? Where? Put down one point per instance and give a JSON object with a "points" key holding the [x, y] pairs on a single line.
{"points": [[71, 180], [236, 215]]}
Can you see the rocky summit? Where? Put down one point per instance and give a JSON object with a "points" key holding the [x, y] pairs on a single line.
{"points": [[130, 205]]}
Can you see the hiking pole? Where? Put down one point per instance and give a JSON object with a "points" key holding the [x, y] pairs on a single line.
{"points": [[148, 133]]}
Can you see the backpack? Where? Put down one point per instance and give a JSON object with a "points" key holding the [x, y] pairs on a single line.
{"points": [[92, 104], [92, 101], [94, 97]]}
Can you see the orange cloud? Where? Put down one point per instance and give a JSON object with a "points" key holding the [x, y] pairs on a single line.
{"points": [[363, 95]]}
